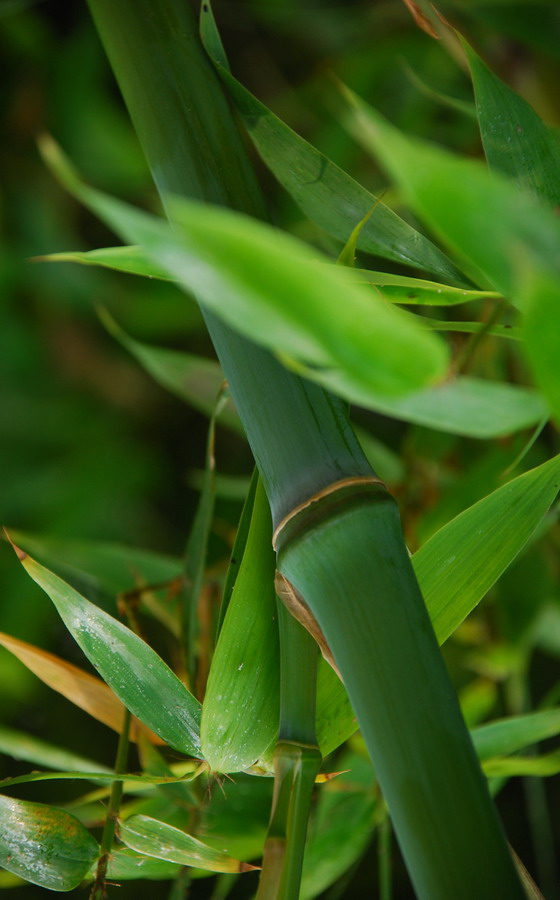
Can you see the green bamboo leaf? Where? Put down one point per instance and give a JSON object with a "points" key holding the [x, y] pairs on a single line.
{"points": [[509, 735], [342, 826], [192, 378], [241, 704], [239, 546], [135, 672], [157, 839], [328, 195], [284, 301], [127, 865], [44, 845], [98, 778], [516, 249], [335, 720], [506, 332], [27, 747], [397, 288], [453, 195], [460, 563], [516, 140], [415, 291], [132, 260], [101, 569], [537, 766], [467, 406]]}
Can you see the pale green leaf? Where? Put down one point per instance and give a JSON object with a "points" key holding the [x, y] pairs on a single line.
{"points": [[28, 748], [154, 838], [509, 735]]}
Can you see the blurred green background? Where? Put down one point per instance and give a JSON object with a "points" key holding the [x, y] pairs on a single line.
{"points": [[92, 448]]}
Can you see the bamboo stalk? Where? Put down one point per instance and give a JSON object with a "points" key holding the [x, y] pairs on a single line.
{"points": [[344, 553]]}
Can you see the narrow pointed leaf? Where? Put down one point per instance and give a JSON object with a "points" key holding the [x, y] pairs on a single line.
{"points": [[516, 140], [132, 260], [509, 735], [44, 845], [330, 197], [516, 249], [137, 675], [27, 747], [155, 838], [415, 291], [84, 690], [460, 563], [191, 378], [286, 302], [536, 766], [240, 709], [103, 567], [453, 195]]}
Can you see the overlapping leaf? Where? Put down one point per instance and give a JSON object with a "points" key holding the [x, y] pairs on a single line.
{"points": [[268, 286], [515, 248]]}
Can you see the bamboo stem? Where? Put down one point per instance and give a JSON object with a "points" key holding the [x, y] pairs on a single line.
{"points": [[98, 891], [348, 559]]}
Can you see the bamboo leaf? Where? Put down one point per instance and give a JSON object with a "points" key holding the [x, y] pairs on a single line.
{"points": [[459, 564], [127, 865], [342, 826], [27, 747], [132, 260], [330, 197], [453, 195], [516, 249], [137, 675], [536, 766], [285, 302], [157, 839], [467, 406], [516, 140], [84, 690], [397, 288], [509, 735], [241, 704], [101, 777], [194, 379], [44, 845], [99, 567], [415, 291]]}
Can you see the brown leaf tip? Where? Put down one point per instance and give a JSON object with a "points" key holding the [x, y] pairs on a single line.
{"points": [[247, 867], [21, 554]]}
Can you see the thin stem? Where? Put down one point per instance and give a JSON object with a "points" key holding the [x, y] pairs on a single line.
{"points": [[384, 858], [98, 891], [466, 354]]}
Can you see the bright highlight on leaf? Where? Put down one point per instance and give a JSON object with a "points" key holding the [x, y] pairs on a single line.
{"points": [[135, 672], [44, 845]]}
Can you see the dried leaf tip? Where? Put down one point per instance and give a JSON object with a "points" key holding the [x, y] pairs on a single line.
{"points": [[247, 867], [21, 554]]}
